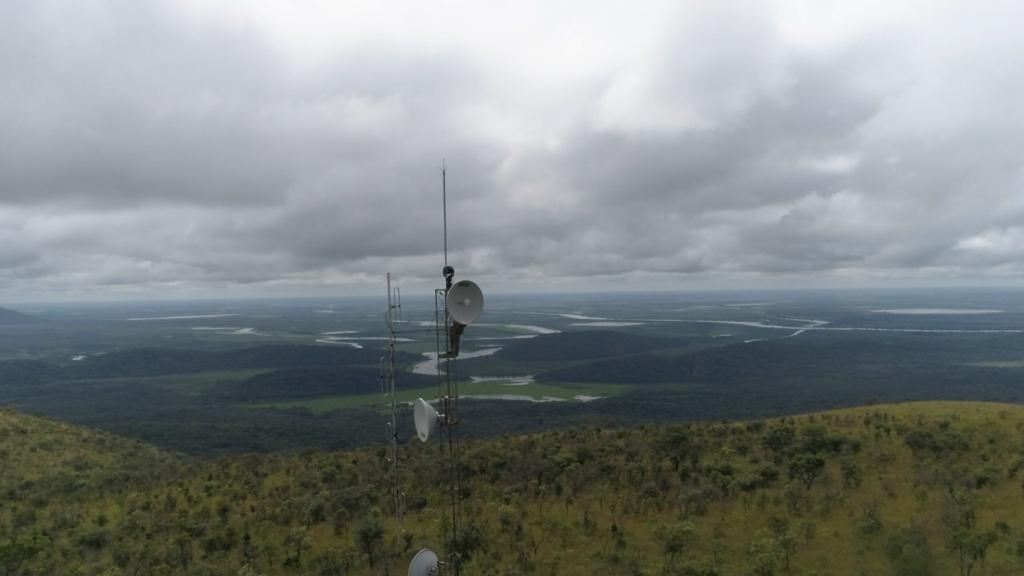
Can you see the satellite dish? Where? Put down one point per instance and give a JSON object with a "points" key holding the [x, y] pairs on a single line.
{"points": [[465, 302], [426, 421], [424, 563]]}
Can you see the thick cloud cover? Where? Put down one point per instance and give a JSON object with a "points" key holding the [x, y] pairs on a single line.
{"points": [[194, 149]]}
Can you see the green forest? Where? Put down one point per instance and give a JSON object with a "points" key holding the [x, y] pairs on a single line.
{"points": [[273, 397], [905, 489]]}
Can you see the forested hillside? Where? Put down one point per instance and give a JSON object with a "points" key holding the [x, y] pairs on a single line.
{"points": [[202, 401], [915, 489], [46, 460]]}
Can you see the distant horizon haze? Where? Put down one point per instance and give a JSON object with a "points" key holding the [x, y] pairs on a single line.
{"points": [[491, 294]]}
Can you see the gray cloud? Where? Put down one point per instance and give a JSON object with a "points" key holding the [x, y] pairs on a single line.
{"points": [[155, 149]]}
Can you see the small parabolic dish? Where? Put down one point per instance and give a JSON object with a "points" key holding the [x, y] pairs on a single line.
{"points": [[465, 302], [424, 563], [425, 417]]}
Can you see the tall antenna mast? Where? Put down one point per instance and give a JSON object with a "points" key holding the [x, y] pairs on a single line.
{"points": [[456, 306], [444, 210]]}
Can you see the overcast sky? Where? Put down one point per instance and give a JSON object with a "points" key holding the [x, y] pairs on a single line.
{"points": [[197, 148]]}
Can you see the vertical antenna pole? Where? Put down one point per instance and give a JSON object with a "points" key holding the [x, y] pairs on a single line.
{"points": [[398, 302], [389, 300], [444, 210]]}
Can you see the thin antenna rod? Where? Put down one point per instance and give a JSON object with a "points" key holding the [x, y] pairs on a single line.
{"points": [[444, 209], [393, 314]]}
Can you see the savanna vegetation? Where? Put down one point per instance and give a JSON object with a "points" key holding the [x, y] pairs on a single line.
{"points": [[909, 489]]}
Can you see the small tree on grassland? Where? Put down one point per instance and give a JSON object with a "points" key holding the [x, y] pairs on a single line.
{"points": [[676, 538], [369, 536]]}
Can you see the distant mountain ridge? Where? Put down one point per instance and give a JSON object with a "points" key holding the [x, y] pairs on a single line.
{"points": [[13, 317]]}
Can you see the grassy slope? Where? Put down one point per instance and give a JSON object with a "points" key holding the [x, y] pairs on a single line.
{"points": [[52, 459], [561, 502]]}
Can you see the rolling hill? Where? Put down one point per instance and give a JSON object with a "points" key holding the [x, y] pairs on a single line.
{"points": [[45, 460], [909, 489]]}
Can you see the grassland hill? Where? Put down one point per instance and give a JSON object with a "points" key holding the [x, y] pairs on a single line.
{"points": [[908, 489], [46, 460]]}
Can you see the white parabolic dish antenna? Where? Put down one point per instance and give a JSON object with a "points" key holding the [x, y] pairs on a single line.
{"points": [[425, 417], [424, 563], [465, 302]]}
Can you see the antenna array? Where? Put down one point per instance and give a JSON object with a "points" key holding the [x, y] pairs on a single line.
{"points": [[456, 306]]}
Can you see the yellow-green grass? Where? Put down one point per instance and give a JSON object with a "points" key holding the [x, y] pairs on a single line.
{"points": [[889, 483], [838, 550], [483, 390], [56, 458], [566, 524], [1000, 414]]}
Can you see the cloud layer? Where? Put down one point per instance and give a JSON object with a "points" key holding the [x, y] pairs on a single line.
{"points": [[174, 149]]}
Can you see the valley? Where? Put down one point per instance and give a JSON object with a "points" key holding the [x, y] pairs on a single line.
{"points": [[217, 378]]}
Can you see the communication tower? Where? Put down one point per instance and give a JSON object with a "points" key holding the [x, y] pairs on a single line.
{"points": [[456, 306]]}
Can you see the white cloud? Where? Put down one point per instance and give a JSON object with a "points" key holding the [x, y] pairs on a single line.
{"points": [[204, 148]]}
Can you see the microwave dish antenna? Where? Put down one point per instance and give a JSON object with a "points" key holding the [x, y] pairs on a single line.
{"points": [[426, 419], [464, 303], [424, 563]]}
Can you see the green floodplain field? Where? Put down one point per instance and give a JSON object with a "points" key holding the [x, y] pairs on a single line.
{"points": [[485, 390]]}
